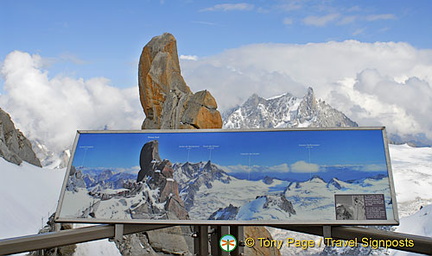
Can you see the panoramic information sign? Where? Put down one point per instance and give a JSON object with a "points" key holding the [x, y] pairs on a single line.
{"points": [[247, 177]]}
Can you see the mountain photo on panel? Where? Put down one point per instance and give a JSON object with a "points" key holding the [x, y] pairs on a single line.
{"points": [[248, 176]]}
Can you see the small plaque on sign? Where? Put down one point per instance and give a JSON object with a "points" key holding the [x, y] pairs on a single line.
{"points": [[360, 207]]}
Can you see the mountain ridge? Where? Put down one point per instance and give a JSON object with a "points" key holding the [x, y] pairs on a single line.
{"points": [[285, 111]]}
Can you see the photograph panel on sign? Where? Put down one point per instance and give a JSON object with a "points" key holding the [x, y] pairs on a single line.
{"points": [[247, 176]]}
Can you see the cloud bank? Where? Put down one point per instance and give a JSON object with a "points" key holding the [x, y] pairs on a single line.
{"points": [[304, 167], [382, 83], [51, 109], [373, 83]]}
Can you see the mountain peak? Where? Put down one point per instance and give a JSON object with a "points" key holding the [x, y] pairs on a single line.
{"points": [[317, 178], [285, 111]]}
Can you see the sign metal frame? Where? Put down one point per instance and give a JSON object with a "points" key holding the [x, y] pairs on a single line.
{"points": [[391, 220]]}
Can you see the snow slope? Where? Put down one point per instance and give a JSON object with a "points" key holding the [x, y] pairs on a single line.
{"points": [[412, 173], [29, 195], [419, 223]]}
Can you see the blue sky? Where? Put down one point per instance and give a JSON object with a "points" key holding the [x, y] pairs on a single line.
{"points": [[105, 38], [72, 65], [330, 148]]}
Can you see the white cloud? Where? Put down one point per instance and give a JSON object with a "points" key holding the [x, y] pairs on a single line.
{"points": [[320, 21], [288, 21], [188, 57], [382, 83], [230, 7], [358, 31], [283, 168], [374, 168], [380, 17], [52, 109], [348, 20], [291, 6], [339, 19], [280, 168], [304, 167], [72, 58]]}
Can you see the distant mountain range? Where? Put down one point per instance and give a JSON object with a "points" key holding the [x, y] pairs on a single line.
{"points": [[288, 111], [210, 191], [227, 196], [285, 111]]}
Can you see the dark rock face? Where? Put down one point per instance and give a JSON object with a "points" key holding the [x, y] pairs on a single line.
{"points": [[14, 146], [76, 180], [158, 175], [333, 182], [228, 213], [281, 202], [268, 180], [149, 157], [167, 101], [198, 174]]}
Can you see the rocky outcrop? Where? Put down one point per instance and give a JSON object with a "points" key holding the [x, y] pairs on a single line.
{"points": [[158, 175], [14, 146], [228, 213], [281, 202], [75, 181], [167, 101], [262, 232]]}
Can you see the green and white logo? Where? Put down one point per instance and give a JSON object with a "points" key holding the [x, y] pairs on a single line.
{"points": [[228, 243]]}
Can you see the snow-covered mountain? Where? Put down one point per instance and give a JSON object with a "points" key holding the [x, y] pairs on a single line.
{"points": [[207, 190], [285, 111], [192, 176], [49, 158]]}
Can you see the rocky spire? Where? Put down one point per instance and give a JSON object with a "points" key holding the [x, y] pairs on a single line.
{"points": [[167, 101], [14, 146]]}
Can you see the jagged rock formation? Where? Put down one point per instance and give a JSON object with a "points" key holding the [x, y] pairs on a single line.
{"points": [[76, 180], [285, 111], [227, 213], [48, 158], [281, 202], [196, 175], [158, 174], [14, 146], [167, 101]]}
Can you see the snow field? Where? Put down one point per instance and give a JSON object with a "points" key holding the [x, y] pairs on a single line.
{"points": [[29, 194]]}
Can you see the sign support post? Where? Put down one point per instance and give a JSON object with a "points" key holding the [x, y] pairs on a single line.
{"points": [[118, 232], [201, 244], [327, 231], [238, 232]]}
